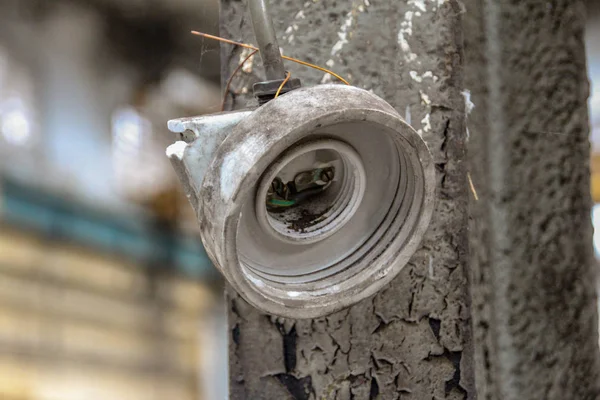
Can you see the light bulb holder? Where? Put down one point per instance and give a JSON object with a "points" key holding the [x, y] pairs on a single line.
{"points": [[321, 252]]}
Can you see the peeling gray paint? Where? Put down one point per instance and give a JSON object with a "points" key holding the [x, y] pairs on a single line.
{"points": [[531, 264], [412, 340]]}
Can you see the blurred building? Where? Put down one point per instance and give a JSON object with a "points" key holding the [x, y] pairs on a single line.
{"points": [[105, 290]]}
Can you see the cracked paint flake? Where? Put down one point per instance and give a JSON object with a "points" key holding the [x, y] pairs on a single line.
{"points": [[406, 26], [403, 34], [426, 124], [420, 77], [343, 34], [415, 76], [469, 105], [424, 98], [326, 78], [420, 4]]}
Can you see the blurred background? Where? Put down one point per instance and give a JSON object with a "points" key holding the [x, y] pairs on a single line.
{"points": [[105, 290], [593, 53]]}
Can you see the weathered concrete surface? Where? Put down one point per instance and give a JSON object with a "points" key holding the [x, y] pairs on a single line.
{"points": [[533, 283], [412, 340]]}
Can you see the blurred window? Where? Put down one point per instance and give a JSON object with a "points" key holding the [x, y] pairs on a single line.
{"points": [[129, 129], [17, 102], [140, 167]]}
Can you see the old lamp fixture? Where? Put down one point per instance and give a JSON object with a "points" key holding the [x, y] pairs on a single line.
{"points": [[313, 200]]}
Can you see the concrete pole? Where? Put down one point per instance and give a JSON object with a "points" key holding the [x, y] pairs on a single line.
{"points": [[412, 340], [534, 283], [531, 265]]}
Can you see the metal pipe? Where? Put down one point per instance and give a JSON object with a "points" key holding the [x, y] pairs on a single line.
{"points": [[267, 41]]}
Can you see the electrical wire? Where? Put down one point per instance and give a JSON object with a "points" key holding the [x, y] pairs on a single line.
{"points": [[288, 75], [248, 46], [235, 71]]}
